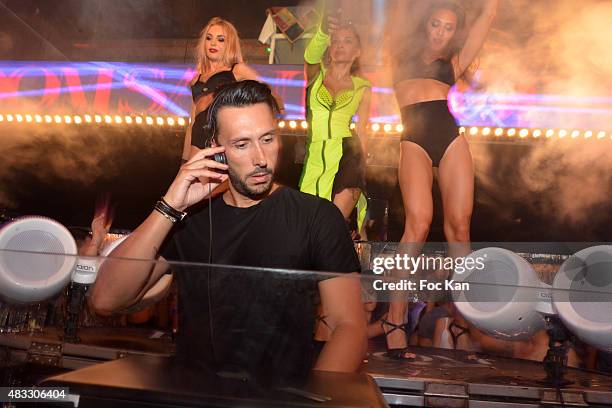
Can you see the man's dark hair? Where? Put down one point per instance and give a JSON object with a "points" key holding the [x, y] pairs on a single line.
{"points": [[236, 95]]}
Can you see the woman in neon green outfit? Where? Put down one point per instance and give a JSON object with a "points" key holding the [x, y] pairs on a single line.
{"points": [[334, 167]]}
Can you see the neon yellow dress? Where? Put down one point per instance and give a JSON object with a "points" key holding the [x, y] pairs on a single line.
{"points": [[334, 159]]}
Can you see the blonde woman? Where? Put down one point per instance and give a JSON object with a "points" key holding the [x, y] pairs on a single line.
{"points": [[219, 61], [334, 166]]}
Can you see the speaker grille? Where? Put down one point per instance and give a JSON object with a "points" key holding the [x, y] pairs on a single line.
{"points": [[591, 287], [31, 267], [492, 287]]}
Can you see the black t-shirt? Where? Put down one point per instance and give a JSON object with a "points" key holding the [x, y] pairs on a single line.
{"points": [[262, 321]]}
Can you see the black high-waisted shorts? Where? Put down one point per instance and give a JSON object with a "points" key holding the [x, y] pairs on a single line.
{"points": [[431, 126], [199, 138]]}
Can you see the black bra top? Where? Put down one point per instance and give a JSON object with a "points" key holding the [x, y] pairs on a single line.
{"points": [[440, 70], [199, 88]]}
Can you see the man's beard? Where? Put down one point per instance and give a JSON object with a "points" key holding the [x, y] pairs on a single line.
{"points": [[252, 193]]}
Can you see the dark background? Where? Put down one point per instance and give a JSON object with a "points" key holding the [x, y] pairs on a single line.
{"points": [[62, 29], [117, 19]]}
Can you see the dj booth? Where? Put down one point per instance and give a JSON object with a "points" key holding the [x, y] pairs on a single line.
{"points": [[132, 370], [563, 290]]}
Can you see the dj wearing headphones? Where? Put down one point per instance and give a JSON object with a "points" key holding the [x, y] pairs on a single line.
{"points": [[256, 322]]}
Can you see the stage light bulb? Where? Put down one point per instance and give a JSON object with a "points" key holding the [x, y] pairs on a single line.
{"points": [[149, 120], [38, 118], [118, 119], [129, 120], [138, 120], [523, 133], [87, 118], [562, 133], [281, 124], [9, 118], [19, 118], [588, 134], [170, 121], [67, 119], [352, 125], [1, 118], [537, 133], [57, 118], [461, 130], [48, 119], [181, 121], [387, 127], [293, 124], [304, 124], [399, 128], [376, 127], [575, 134], [550, 133], [108, 119], [159, 121], [499, 132], [511, 132], [473, 131], [601, 135], [486, 131], [78, 120], [28, 118]]}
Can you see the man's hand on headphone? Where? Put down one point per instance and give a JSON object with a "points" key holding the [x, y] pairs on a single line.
{"points": [[197, 179]]}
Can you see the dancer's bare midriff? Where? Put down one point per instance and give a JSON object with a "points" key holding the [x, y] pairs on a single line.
{"points": [[411, 91]]}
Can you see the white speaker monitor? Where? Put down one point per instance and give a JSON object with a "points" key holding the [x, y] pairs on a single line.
{"points": [[582, 295], [506, 298], [37, 256]]}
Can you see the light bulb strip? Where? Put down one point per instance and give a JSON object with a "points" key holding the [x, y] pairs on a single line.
{"points": [[493, 133], [300, 126], [96, 119]]}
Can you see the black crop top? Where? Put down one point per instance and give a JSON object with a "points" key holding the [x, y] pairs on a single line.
{"points": [[440, 70], [199, 88]]}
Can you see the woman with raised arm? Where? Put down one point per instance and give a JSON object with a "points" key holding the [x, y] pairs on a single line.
{"points": [[219, 61], [438, 53], [334, 167]]}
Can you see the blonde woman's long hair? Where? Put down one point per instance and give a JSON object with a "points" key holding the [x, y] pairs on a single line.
{"points": [[233, 53]]}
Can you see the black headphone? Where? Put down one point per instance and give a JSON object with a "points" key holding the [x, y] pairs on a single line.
{"points": [[210, 132]]}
